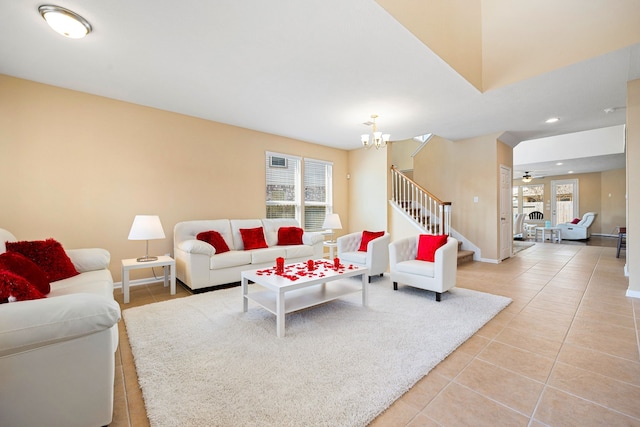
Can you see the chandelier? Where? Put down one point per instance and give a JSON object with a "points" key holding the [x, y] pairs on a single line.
{"points": [[376, 139]]}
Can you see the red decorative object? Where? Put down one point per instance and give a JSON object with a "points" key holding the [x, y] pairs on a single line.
{"points": [[16, 288], [49, 255], [22, 266], [428, 244], [368, 236], [310, 265], [576, 220], [215, 239], [253, 238], [279, 265], [290, 236], [336, 263], [294, 271]]}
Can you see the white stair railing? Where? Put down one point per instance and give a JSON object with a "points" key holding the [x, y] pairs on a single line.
{"points": [[429, 212]]}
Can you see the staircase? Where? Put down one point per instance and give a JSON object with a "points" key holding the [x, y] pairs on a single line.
{"points": [[431, 214]]}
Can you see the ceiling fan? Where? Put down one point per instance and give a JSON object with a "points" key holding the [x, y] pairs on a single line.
{"points": [[526, 177]]}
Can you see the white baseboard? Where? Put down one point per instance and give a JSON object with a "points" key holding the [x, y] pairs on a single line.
{"points": [[633, 294]]}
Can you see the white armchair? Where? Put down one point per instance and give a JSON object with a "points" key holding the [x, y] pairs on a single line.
{"points": [[376, 258], [518, 226], [579, 231], [438, 276]]}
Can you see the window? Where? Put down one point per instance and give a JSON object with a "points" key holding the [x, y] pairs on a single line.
{"points": [[532, 198], [299, 188]]}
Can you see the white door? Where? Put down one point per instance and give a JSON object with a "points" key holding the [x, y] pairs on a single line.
{"points": [[506, 215], [564, 200]]}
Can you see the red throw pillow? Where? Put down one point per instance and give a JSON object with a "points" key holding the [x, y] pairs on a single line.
{"points": [[48, 255], [428, 244], [253, 238], [22, 266], [290, 236], [16, 288], [368, 236], [576, 220], [215, 239]]}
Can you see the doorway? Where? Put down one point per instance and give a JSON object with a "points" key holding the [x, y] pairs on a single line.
{"points": [[506, 213], [564, 200]]}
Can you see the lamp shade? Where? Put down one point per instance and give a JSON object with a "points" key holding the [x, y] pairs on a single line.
{"points": [[146, 227], [332, 221]]}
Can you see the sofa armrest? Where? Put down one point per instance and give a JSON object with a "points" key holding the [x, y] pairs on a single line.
{"points": [[197, 247], [28, 325], [89, 259]]}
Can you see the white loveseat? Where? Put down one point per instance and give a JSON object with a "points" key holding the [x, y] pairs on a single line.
{"points": [[579, 231], [198, 266], [57, 354]]}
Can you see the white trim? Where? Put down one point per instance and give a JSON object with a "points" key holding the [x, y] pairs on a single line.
{"points": [[633, 294]]}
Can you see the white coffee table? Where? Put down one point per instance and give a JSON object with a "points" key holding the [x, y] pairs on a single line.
{"points": [[283, 295], [551, 230]]}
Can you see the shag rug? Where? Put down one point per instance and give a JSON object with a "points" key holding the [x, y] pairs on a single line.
{"points": [[201, 361]]}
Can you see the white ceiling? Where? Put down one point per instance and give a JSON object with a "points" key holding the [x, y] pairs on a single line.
{"points": [[313, 70]]}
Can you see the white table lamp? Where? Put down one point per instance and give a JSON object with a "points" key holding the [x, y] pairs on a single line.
{"points": [[146, 227], [332, 222]]}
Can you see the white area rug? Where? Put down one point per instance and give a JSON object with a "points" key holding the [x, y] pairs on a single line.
{"points": [[201, 361]]}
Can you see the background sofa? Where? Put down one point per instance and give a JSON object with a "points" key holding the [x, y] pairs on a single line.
{"points": [[579, 231], [198, 266], [57, 354]]}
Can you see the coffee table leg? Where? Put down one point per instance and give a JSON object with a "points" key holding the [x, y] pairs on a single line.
{"points": [[280, 314], [245, 290]]}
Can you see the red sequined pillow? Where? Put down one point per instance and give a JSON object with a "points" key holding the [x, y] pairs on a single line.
{"points": [[16, 288], [48, 255], [368, 236], [290, 236], [22, 266], [253, 238], [215, 239]]}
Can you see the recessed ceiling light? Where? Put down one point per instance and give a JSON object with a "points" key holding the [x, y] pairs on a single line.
{"points": [[570, 172], [65, 22], [559, 164], [552, 120]]}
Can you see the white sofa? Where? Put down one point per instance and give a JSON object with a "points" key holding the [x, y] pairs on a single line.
{"points": [[579, 231], [198, 266], [376, 258], [57, 354], [438, 276]]}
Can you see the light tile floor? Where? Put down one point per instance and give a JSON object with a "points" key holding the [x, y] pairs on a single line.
{"points": [[563, 353]]}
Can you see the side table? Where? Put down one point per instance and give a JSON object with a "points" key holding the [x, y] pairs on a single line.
{"points": [[331, 246], [551, 230], [166, 262]]}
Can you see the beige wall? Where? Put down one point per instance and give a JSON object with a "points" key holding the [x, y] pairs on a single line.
{"points": [[368, 190], [633, 189], [78, 168], [457, 172], [613, 202]]}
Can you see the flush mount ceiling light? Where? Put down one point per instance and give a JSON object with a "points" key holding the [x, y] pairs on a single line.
{"points": [[379, 140], [526, 177], [65, 22]]}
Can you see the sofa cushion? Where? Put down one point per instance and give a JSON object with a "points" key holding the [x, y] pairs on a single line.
{"points": [[230, 259], [97, 282], [253, 238], [368, 236], [298, 251], [357, 257], [428, 244], [267, 255], [215, 239], [22, 266], [575, 220], [290, 236], [422, 268], [48, 255], [16, 288]]}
